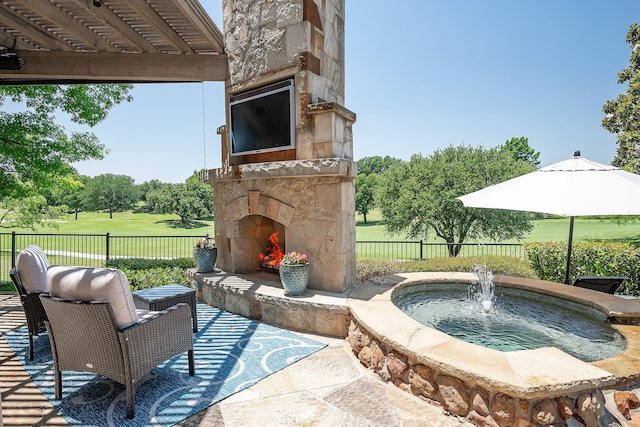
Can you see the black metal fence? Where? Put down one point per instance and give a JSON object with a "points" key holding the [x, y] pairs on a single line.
{"points": [[419, 250], [93, 250]]}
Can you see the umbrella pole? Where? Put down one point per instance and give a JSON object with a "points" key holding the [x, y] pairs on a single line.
{"points": [[566, 277]]}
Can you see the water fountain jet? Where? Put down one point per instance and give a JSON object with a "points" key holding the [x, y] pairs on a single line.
{"points": [[485, 279]]}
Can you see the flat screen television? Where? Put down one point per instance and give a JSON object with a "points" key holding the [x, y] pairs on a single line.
{"points": [[263, 119]]}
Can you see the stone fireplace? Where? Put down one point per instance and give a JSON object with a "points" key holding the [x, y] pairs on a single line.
{"points": [[303, 192]]}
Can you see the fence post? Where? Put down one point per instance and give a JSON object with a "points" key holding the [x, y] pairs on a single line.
{"points": [[13, 249], [107, 247], [421, 254]]}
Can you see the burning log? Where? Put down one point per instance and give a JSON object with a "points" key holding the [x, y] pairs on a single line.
{"points": [[272, 257]]}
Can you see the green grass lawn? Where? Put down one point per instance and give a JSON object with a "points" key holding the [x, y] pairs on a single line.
{"points": [[124, 224], [545, 230], [146, 224]]}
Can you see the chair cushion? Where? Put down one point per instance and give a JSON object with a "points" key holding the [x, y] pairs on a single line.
{"points": [[32, 264], [95, 284]]}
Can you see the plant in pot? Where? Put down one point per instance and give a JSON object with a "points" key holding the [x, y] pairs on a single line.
{"points": [[205, 253], [294, 273]]}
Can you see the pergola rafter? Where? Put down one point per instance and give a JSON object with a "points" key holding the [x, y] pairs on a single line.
{"points": [[72, 41]]}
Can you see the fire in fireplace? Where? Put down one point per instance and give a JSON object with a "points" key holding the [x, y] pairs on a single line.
{"points": [[272, 257]]}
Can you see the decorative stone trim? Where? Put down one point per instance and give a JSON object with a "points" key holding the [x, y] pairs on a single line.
{"points": [[326, 107], [257, 204], [478, 405]]}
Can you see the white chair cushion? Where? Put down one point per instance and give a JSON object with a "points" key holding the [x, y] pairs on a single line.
{"points": [[95, 284], [32, 264]]}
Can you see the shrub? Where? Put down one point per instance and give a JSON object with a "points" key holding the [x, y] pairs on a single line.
{"points": [[148, 273], [145, 263], [549, 260], [367, 268]]}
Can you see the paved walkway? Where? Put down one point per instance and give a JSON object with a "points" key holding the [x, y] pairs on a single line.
{"points": [[327, 389]]}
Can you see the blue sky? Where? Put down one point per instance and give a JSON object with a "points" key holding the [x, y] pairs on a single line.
{"points": [[420, 76]]}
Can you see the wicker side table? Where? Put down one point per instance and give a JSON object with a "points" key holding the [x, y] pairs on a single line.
{"points": [[162, 297]]}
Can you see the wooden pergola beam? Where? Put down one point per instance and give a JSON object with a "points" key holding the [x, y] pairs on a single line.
{"points": [[117, 67]]}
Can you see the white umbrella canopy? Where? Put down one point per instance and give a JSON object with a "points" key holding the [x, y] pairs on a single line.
{"points": [[574, 187]]}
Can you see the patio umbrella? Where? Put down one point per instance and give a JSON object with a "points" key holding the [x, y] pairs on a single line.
{"points": [[574, 187]]}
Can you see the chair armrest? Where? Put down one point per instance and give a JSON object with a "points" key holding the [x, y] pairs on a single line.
{"points": [[153, 340]]}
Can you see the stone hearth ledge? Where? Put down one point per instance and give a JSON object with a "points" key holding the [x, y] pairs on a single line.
{"points": [[260, 296]]}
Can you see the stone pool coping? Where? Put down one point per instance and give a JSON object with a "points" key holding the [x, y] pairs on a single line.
{"points": [[528, 373]]}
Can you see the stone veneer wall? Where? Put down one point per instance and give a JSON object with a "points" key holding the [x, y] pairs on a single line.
{"points": [[315, 205], [271, 40], [310, 189], [266, 39], [480, 406]]}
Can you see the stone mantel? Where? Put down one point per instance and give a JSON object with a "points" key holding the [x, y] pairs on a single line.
{"points": [[331, 107], [284, 169]]}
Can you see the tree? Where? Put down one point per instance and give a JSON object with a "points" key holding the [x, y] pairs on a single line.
{"points": [[369, 168], [365, 190], [110, 192], [520, 150], [36, 153], [419, 196], [144, 189], [147, 187], [68, 193], [190, 201], [621, 114], [375, 164], [28, 211]]}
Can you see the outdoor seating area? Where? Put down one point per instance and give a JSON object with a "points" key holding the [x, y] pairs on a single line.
{"points": [[300, 393], [86, 306], [80, 307], [374, 333]]}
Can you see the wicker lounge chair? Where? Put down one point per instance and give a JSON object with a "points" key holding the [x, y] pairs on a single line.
{"points": [[29, 279], [88, 336], [32, 307], [608, 284]]}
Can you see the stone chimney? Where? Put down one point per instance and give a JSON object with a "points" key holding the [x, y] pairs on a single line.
{"points": [[304, 193]]}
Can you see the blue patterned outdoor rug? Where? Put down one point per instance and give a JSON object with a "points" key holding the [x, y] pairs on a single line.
{"points": [[231, 354]]}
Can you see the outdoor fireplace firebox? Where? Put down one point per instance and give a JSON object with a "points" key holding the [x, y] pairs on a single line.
{"points": [[272, 256], [287, 145]]}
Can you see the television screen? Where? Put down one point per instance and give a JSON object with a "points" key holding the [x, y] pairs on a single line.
{"points": [[263, 119]]}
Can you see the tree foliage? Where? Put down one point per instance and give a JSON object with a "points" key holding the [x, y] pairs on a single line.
{"points": [[35, 152], [375, 164], [190, 201], [110, 192], [148, 186], [28, 211], [520, 150], [622, 113], [70, 194], [419, 196], [369, 169], [365, 193]]}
